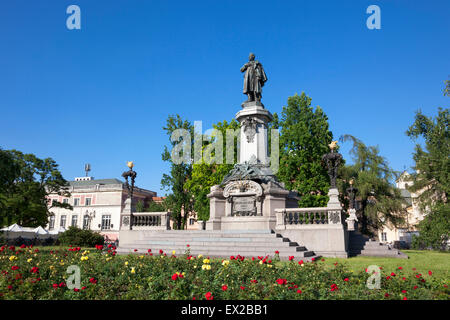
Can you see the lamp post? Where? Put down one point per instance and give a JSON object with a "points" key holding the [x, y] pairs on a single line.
{"points": [[352, 219], [332, 161], [132, 175], [351, 194]]}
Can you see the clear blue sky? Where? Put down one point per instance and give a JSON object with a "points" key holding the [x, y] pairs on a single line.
{"points": [[101, 94]]}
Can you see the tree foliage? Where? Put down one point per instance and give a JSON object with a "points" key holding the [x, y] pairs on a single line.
{"points": [[25, 183], [180, 201], [205, 175], [304, 139], [431, 178], [380, 201]]}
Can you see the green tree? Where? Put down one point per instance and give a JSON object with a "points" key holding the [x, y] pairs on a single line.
{"points": [[432, 164], [155, 207], [304, 139], [205, 175], [25, 190], [180, 201], [431, 179], [381, 202]]}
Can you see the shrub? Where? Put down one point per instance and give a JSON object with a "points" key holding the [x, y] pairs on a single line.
{"points": [[78, 237]]}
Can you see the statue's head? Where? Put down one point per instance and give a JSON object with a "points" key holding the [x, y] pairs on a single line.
{"points": [[251, 56]]}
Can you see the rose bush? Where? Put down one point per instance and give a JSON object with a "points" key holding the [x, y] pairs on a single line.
{"points": [[30, 273]]}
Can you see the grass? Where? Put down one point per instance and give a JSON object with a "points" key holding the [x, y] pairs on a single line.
{"points": [[423, 261]]}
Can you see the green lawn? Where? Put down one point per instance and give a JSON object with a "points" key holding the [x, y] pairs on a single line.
{"points": [[423, 261]]}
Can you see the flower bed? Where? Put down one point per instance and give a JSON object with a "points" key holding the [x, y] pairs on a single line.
{"points": [[30, 273]]}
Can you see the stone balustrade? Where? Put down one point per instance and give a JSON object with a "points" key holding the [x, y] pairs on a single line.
{"points": [[288, 218], [147, 221]]}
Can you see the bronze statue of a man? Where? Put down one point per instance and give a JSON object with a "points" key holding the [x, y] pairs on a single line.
{"points": [[254, 79]]}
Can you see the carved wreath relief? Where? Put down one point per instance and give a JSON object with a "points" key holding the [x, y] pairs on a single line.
{"points": [[250, 125]]}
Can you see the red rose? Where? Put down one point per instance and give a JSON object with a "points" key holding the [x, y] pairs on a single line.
{"points": [[415, 287], [393, 274], [14, 268], [386, 295], [35, 270], [174, 277], [55, 285], [93, 280], [254, 281], [400, 268], [242, 288], [403, 291], [209, 296], [76, 289], [10, 287], [135, 250], [299, 291], [300, 262], [405, 298], [429, 272], [160, 251], [346, 279], [224, 288], [277, 252], [281, 281], [83, 288], [291, 258]]}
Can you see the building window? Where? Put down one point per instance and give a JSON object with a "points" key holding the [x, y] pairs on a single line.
{"points": [[76, 202], [87, 202], [85, 222], [74, 221], [63, 221], [65, 200], [106, 222], [54, 201], [51, 223], [383, 236], [191, 221]]}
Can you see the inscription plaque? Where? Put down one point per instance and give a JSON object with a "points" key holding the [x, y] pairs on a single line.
{"points": [[244, 206]]}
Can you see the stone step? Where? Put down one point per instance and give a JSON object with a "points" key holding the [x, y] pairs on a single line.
{"points": [[214, 243], [187, 240]]}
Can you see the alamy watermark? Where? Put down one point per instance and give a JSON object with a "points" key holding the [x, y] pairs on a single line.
{"points": [[191, 150], [74, 20], [374, 20]]}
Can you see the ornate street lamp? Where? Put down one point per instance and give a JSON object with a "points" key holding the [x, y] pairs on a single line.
{"points": [[332, 161], [132, 175], [351, 195]]}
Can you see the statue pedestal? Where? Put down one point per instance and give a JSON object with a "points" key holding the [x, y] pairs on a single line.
{"points": [[254, 119], [247, 205]]}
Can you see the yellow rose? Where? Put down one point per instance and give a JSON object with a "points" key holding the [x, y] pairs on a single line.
{"points": [[205, 261], [126, 263], [225, 262], [200, 256], [29, 260], [133, 271], [173, 252]]}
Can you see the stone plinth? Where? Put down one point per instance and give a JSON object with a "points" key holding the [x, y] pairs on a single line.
{"points": [[253, 141], [247, 205]]}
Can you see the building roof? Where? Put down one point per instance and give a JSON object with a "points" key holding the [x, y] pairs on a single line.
{"points": [[95, 182]]}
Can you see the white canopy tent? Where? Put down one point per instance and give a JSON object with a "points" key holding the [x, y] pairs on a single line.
{"points": [[16, 231]]}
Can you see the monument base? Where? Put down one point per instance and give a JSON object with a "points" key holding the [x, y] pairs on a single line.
{"points": [[247, 205]]}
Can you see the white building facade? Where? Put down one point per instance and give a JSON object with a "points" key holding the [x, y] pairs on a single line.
{"points": [[389, 233], [97, 205]]}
